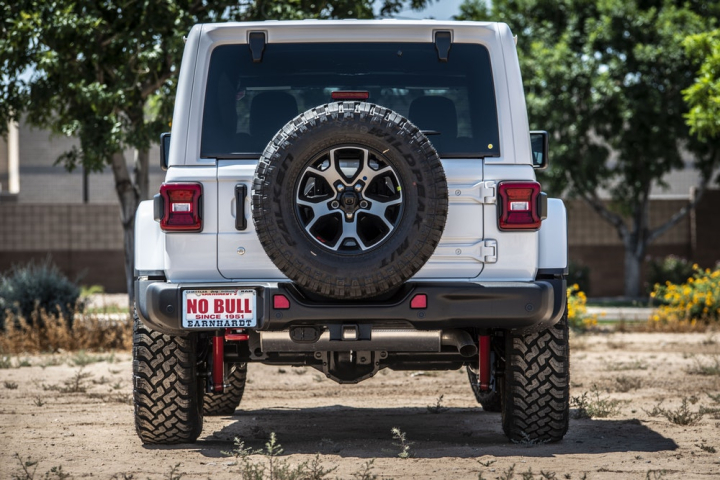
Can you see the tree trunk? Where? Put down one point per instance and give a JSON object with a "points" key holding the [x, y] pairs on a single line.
{"points": [[633, 264], [128, 196], [142, 173]]}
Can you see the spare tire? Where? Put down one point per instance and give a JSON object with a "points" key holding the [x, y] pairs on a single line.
{"points": [[349, 200]]}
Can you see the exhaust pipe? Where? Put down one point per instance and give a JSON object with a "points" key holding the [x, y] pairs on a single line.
{"points": [[461, 340]]}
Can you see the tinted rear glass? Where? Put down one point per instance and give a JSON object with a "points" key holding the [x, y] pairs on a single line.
{"points": [[246, 103]]}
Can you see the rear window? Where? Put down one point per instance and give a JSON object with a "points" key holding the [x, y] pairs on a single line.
{"points": [[246, 103]]}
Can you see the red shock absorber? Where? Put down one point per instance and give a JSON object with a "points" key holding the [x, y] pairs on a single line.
{"points": [[484, 367], [218, 364]]}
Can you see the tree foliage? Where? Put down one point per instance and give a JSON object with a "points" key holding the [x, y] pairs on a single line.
{"points": [[703, 96], [606, 77]]}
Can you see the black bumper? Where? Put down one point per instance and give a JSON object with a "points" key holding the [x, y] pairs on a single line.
{"points": [[519, 306]]}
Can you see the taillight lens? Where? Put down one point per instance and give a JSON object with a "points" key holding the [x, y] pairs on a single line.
{"points": [[181, 207], [519, 205]]}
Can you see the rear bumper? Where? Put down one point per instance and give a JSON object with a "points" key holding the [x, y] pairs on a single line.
{"points": [[518, 306]]}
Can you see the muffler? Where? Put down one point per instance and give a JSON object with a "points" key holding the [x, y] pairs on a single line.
{"points": [[381, 339], [393, 340]]}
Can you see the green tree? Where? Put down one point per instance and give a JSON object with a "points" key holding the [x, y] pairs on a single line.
{"points": [[105, 71], [703, 96], [605, 78]]}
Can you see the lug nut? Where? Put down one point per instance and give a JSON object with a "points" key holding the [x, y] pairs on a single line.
{"points": [[363, 204], [335, 204], [358, 187], [340, 187]]}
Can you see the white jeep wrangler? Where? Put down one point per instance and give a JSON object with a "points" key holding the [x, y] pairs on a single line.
{"points": [[350, 196]]}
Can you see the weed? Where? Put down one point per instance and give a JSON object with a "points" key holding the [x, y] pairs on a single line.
{"points": [[39, 402], [486, 464], [655, 474], [527, 441], [100, 381], [23, 362], [706, 448], [634, 364], [593, 406], [281, 370], [680, 416], [364, 472], [703, 368], [82, 358], [116, 386], [74, 385], [438, 407], [714, 398], [28, 467], [174, 474], [274, 468], [51, 361], [508, 474], [318, 378], [5, 362], [402, 442], [300, 371], [10, 385], [112, 397], [48, 333], [624, 384], [123, 476]]}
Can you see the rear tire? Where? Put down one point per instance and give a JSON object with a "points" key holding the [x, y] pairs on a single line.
{"points": [[536, 405], [227, 402], [166, 392]]}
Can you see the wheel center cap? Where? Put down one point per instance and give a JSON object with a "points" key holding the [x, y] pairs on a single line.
{"points": [[348, 201]]}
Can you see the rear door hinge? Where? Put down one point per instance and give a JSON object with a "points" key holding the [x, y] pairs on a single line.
{"points": [[484, 251], [481, 192]]}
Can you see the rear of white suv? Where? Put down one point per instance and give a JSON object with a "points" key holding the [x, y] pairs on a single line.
{"points": [[351, 196]]}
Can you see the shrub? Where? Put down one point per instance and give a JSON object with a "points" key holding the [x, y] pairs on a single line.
{"points": [[671, 269], [36, 287], [696, 301], [578, 318]]}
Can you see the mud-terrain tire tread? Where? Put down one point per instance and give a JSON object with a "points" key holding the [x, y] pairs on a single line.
{"points": [[490, 401], [225, 403], [394, 267], [166, 395], [537, 385]]}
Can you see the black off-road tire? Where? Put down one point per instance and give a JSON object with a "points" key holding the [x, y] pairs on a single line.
{"points": [[225, 403], [408, 246], [166, 392], [537, 385], [490, 401]]}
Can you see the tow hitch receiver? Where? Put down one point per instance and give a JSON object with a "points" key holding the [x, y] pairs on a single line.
{"points": [[484, 367]]}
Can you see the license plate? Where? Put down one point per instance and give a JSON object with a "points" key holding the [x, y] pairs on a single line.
{"points": [[219, 309]]}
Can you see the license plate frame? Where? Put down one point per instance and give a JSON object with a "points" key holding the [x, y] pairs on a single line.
{"points": [[201, 310]]}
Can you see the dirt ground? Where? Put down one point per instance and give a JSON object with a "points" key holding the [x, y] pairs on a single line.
{"points": [[91, 433]]}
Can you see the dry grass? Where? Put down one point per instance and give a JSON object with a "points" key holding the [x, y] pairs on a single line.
{"points": [[50, 334]]}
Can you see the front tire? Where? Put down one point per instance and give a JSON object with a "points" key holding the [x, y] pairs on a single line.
{"points": [[536, 403], [227, 402], [166, 392]]}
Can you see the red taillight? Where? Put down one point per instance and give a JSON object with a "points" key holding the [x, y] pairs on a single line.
{"points": [[519, 205], [347, 95], [181, 207]]}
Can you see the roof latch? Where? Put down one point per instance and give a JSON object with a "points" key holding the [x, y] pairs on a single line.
{"points": [[256, 40], [443, 41]]}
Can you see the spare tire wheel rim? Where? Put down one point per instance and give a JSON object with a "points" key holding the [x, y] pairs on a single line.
{"points": [[349, 199]]}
